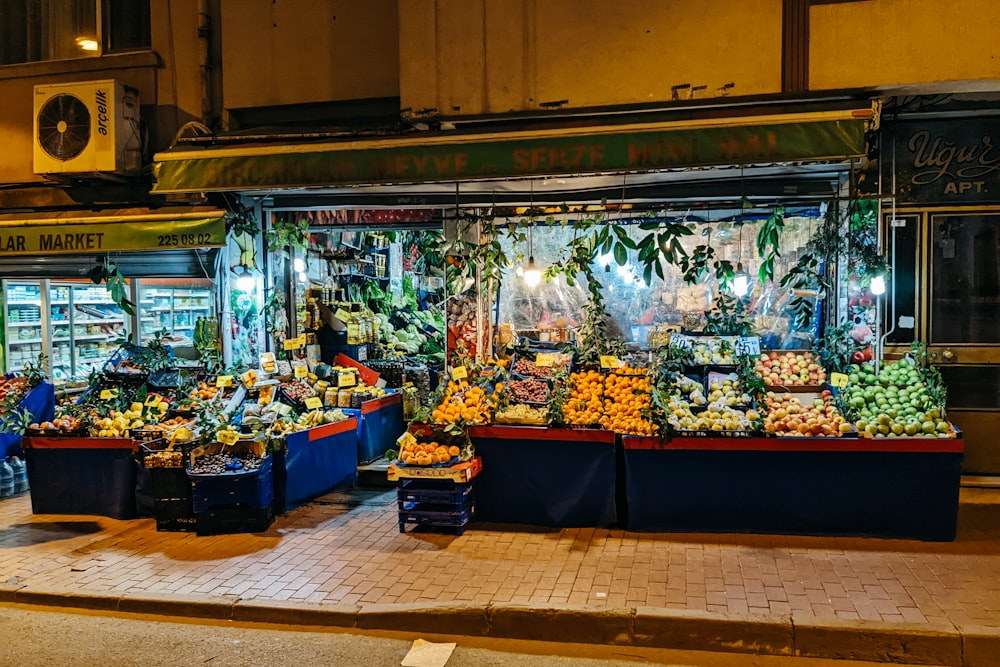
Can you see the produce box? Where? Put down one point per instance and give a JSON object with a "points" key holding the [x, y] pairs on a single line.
{"points": [[460, 472], [238, 488], [541, 364]]}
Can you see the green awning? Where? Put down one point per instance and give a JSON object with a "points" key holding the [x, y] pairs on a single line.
{"points": [[828, 135], [88, 232]]}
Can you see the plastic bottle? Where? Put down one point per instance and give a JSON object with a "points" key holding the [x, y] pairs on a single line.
{"points": [[6, 479], [20, 475]]}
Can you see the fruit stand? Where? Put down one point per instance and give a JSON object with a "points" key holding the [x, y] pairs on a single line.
{"points": [[904, 488], [35, 403]]}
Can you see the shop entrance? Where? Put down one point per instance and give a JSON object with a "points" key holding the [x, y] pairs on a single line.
{"points": [[963, 311]]}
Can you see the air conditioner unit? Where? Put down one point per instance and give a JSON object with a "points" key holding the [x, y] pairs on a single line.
{"points": [[87, 128]]}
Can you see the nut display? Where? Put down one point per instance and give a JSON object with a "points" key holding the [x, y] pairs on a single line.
{"points": [[530, 390], [217, 464], [297, 391]]}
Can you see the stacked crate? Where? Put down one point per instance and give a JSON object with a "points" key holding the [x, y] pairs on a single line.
{"points": [[233, 502], [171, 492], [442, 497]]}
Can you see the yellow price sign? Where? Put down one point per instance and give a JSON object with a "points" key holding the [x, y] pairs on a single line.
{"points": [[300, 371], [459, 373], [227, 437], [543, 360], [347, 380], [342, 315], [108, 394], [608, 361], [295, 343], [314, 402], [406, 439], [224, 381], [839, 380]]}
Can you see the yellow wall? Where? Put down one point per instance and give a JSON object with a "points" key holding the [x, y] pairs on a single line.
{"points": [[492, 56], [901, 42], [277, 52]]}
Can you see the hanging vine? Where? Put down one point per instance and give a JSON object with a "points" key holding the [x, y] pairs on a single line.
{"points": [[106, 272]]}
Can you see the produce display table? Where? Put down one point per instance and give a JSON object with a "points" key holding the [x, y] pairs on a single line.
{"points": [[82, 476], [381, 424], [892, 488], [545, 477], [40, 404], [316, 461]]}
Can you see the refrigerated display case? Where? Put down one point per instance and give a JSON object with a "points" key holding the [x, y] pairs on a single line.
{"points": [[174, 309], [76, 325]]}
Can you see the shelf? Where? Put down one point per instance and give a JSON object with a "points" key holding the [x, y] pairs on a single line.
{"points": [[61, 340], [36, 302], [59, 303], [25, 341], [205, 308], [184, 328], [24, 324], [89, 302], [105, 321], [96, 336]]}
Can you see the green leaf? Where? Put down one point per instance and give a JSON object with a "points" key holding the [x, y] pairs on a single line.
{"points": [[621, 254]]}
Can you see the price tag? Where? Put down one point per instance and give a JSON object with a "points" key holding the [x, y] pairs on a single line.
{"points": [[681, 341], [224, 381], [459, 373], [342, 315], [249, 378], [543, 360], [153, 399], [748, 345], [346, 380], [227, 437], [291, 343], [839, 380], [300, 371], [107, 394], [406, 439], [608, 361], [321, 385], [314, 402]]}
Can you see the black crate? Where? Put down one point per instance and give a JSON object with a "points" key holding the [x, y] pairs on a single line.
{"points": [[453, 520], [229, 520], [169, 483], [253, 489], [174, 515], [434, 492]]}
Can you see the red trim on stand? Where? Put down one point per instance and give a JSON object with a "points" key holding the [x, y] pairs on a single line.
{"points": [[378, 403], [326, 430], [79, 443]]}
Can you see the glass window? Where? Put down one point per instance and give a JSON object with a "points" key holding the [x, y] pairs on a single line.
{"points": [[635, 308], [40, 30], [965, 299]]}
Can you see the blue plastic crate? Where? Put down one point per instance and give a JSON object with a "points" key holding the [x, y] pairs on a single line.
{"points": [[434, 492], [251, 489], [453, 520]]}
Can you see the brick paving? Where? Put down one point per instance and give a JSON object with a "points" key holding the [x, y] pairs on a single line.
{"points": [[345, 552]]}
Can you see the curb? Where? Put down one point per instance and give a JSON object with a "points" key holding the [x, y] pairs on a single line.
{"points": [[927, 644]]}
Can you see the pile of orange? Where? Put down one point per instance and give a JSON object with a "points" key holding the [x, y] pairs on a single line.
{"points": [[626, 395], [585, 404], [424, 454], [465, 404]]}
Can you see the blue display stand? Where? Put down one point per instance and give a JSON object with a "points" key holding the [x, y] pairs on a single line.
{"points": [[41, 405], [316, 461], [892, 488], [381, 425], [82, 476], [545, 477]]}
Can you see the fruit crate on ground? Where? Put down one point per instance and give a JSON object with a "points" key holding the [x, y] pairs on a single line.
{"points": [[436, 504], [174, 515], [248, 489]]}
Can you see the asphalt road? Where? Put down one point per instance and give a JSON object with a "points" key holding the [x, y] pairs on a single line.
{"points": [[52, 638]]}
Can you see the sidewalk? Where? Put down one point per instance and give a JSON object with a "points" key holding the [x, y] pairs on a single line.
{"points": [[342, 561]]}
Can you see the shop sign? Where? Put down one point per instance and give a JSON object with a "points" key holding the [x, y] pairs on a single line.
{"points": [[601, 149], [948, 161], [28, 238]]}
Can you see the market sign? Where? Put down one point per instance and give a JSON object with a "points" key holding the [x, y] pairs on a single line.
{"points": [[111, 231], [948, 161], [449, 156]]}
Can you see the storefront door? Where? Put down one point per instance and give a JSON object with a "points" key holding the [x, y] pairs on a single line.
{"points": [[963, 325]]}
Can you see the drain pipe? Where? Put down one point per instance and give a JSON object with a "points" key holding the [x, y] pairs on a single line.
{"points": [[205, 61]]}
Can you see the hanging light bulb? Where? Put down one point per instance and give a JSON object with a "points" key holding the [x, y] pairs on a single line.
{"points": [[299, 264], [878, 285], [246, 283], [532, 276], [303, 277], [741, 281]]}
